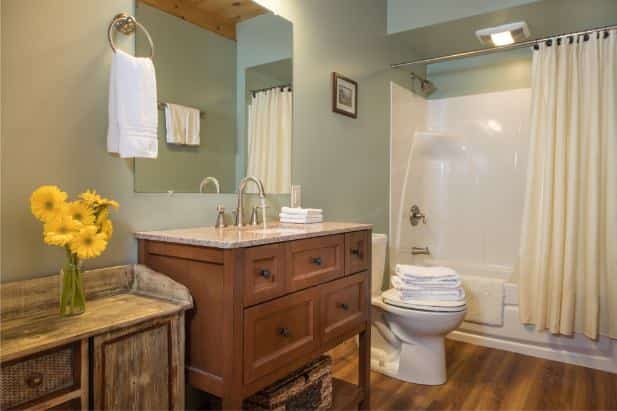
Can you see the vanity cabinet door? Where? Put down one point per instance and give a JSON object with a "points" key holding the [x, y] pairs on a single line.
{"points": [[136, 368], [357, 251], [315, 261], [264, 273], [344, 307], [279, 331]]}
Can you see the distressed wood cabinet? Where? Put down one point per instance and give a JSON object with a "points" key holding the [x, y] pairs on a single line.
{"points": [[125, 352], [263, 310]]}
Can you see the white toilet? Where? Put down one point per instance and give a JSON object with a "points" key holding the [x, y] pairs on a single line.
{"points": [[408, 341]]}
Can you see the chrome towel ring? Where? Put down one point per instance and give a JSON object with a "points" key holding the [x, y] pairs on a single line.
{"points": [[127, 24]]}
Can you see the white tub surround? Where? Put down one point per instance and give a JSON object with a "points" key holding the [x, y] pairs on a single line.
{"points": [[467, 174]]}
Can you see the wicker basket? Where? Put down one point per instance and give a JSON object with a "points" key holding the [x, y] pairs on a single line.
{"points": [[309, 388]]}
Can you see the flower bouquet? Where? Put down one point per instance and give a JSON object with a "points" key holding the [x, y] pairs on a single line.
{"points": [[82, 227]]}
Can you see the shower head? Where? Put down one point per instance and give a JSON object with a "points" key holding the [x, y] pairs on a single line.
{"points": [[426, 86]]}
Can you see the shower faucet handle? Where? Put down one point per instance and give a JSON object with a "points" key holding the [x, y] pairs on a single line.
{"points": [[415, 216]]}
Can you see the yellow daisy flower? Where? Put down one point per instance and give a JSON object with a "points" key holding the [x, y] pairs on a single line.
{"points": [[107, 228], [46, 202], [103, 216], [61, 230], [93, 199], [88, 243], [80, 212]]}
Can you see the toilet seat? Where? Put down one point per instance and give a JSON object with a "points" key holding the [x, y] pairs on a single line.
{"points": [[391, 297]]}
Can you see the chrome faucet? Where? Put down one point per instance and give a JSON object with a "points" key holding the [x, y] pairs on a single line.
{"points": [[212, 180], [241, 188]]}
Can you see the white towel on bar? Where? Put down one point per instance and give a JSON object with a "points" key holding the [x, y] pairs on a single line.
{"points": [[302, 211], [295, 219], [182, 124], [133, 116]]}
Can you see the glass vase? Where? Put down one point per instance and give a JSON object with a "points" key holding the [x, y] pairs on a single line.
{"points": [[72, 295]]}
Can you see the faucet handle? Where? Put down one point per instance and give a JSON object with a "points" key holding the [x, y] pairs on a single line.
{"points": [[220, 216], [254, 216]]}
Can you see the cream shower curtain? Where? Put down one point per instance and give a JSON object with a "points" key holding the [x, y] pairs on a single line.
{"points": [[568, 252], [269, 139]]}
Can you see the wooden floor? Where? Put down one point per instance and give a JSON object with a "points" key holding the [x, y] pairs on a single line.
{"points": [[487, 379]]}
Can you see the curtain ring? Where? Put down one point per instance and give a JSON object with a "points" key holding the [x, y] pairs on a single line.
{"points": [[127, 25]]}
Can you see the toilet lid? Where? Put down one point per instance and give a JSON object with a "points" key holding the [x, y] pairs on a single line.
{"points": [[391, 297]]}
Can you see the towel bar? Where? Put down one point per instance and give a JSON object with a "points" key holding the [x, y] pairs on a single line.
{"points": [[127, 24]]}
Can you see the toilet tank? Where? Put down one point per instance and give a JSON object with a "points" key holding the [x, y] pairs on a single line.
{"points": [[380, 242]]}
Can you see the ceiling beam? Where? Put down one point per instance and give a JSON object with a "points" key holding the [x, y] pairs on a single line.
{"points": [[193, 14]]}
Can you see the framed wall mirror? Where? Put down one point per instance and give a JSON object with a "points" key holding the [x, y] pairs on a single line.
{"points": [[233, 62]]}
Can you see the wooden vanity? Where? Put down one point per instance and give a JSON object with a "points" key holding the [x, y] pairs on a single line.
{"points": [[266, 302]]}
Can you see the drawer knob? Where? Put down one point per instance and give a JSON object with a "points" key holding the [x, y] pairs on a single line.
{"points": [[317, 261], [284, 332], [265, 273], [34, 380], [344, 306], [355, 251]]}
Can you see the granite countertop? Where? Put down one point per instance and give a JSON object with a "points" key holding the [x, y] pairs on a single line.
{"points": [[234, 237]]}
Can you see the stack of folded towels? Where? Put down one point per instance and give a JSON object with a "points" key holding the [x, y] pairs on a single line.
{"points": [[427, 284], [301, 215]]}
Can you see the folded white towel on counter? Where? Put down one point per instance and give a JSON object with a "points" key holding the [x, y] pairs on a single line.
{"points": [[421, 273], [295, 219], [403, 282], [133, 114], [182, 124], [302, 211]]}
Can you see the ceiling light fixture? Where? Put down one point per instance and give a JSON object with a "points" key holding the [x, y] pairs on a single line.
{"points": [[503, 35]]}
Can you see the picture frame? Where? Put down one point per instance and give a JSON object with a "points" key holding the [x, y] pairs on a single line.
{"points": [[344, 96]]}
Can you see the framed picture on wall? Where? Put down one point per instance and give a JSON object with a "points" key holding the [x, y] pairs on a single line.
{"points": [[344, 96]]}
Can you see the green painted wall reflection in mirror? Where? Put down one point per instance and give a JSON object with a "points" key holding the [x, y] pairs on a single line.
{"points": [[198, 68]]}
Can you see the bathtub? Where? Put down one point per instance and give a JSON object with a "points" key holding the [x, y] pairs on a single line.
{"points": [[462, 161]]}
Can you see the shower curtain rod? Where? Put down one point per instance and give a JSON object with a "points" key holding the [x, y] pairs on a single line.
{"points": [[289, 86], [479, 52]]}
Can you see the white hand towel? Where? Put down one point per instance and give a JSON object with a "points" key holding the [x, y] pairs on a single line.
{"points": [[420, 273], [182, 124], [287, 218], [301, 211], [175, 124], [192, 127], [427, 284], [420, 293], [133, 116], [434, 298]]}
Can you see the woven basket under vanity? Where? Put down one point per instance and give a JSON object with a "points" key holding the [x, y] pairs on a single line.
{"points": [[309, 388]]}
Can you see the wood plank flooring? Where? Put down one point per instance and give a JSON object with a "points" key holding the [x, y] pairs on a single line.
{"points": [[487, 379]]}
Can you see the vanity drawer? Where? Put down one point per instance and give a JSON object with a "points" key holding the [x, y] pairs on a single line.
{"points": [[278, 332], [315, 260], [344, 306], [264, 273], [357, 252], [28, 380]]}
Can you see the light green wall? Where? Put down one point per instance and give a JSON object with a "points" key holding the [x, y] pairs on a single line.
{"points": [[411, 14], [55, 68], [194, 67], [263, 39], [490, 73], [342, 163]]}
